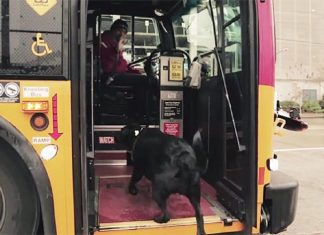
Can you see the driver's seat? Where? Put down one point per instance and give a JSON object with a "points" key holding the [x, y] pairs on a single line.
{"points": [[126, 97]]}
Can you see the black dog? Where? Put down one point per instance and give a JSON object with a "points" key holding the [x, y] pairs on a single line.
{"points": [[169, 163]]}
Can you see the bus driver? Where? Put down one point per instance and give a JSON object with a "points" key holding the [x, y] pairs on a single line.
{"points": [[118, 73], [112, 43]]}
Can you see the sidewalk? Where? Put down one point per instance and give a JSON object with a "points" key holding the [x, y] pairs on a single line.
{"points": [[315, 121], [312, 115]]}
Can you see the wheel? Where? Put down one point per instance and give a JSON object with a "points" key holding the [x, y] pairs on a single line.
{"points": [[19, 204]]}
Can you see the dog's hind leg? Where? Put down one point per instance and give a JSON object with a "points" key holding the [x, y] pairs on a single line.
{"points": [[194, 197], [161, 199], [136, 176], [199, 218]]}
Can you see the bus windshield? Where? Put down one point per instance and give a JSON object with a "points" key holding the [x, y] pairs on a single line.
{"points": [[194, 31]]}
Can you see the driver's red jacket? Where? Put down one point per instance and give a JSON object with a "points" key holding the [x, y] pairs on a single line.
{"points": [[112, 60]]}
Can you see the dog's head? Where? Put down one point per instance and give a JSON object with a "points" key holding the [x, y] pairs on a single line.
{"points": [[128, 134]]}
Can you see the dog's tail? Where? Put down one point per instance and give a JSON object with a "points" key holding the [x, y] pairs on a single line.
{"points": [[201, 154]]}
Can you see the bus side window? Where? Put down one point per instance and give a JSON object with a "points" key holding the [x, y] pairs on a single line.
{"points": [[146, 37], [233, 39]]}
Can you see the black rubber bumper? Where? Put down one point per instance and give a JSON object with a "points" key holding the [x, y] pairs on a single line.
{"points": [[281, 201]]}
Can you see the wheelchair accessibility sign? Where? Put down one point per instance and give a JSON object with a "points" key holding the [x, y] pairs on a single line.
{"points": [[40, 47], [41, 7]]}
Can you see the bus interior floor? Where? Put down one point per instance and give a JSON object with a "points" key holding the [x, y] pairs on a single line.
{"points": [[117, 205]]}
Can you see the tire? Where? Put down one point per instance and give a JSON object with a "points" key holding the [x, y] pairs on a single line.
{"points": [[19, 204]]}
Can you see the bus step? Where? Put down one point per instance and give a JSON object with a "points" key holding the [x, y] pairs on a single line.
{"points": [[111, 158]]}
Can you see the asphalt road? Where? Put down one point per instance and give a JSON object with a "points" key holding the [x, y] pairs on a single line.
{"points": [[301, 155]]}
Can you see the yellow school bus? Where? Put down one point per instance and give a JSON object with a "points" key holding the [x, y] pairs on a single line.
{"points": [[211, 63]]}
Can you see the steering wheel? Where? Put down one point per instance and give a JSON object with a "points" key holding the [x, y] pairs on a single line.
{"points": [[131, 64], [149, 63]]}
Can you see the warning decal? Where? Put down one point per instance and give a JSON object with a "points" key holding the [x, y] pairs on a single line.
{"points": [[9, 92], [172, 128], [106, 140], [176, 69], [41, 7], [41, 140], [171, 109]]}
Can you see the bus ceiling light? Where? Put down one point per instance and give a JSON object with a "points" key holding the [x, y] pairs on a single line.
{"points": [[49, 152], [39, 121], [35, 106]]}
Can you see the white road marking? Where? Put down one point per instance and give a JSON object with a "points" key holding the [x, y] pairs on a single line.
{"points": [[298, 149]]}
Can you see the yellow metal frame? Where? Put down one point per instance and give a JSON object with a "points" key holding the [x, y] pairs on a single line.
{"points": [[187, 226], [59, 168], [265, 142]]}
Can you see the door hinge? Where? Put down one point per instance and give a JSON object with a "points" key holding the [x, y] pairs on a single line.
{"points": [[227, 221]]}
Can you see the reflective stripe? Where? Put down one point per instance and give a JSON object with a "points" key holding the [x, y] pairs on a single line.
{"points": [[261, 175]]}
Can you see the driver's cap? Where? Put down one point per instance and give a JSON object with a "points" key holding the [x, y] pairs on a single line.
{"points": [[119, 24]]}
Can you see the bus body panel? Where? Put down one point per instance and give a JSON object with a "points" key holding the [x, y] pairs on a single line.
{"points": [[277, 192], [266, 43], [265, 144], [265, 92], [265, 98], [59, 168]]}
